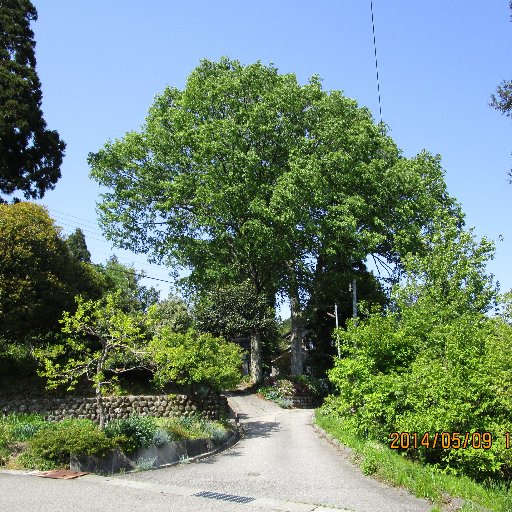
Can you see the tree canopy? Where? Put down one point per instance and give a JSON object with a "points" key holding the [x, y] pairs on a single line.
{"points": [[246, 175], [78, 247], [38, 276], [133, 296], [30, 154]]}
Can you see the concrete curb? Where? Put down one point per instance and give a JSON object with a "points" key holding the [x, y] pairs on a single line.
{"points": [[171, 454], [347, 452]]}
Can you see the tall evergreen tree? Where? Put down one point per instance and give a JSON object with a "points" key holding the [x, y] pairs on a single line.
{"points": [[30, 154], [78, 247]]}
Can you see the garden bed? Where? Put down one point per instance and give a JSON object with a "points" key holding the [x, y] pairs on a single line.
{"points": [[152, 457], [299, 392], [134, 443]]}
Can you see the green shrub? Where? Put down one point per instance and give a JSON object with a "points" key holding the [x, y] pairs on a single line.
{"points": [[192, 427], [280, 389], [25, 431], [57, 441], [161, 437], [131, 433], [28, 460], [433, 362], [193, 358]]}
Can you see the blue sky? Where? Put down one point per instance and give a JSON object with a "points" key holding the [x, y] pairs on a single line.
{"points": [[102, 62]]}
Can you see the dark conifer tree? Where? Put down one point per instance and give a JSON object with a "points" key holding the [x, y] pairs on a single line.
{"points": [[30, 154]]}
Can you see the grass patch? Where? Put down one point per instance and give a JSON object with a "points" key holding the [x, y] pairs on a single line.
{"points": [[424, 482]]}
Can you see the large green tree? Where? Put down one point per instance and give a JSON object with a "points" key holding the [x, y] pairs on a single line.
{"points": [[245, 175], [38, 276], [235, 312], [30, 154]]}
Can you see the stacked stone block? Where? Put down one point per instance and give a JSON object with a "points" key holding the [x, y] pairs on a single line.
{"points": [[56, 409]]}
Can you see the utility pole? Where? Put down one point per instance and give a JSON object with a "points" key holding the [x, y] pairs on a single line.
{"points": [[353, 288], [335, 316]]}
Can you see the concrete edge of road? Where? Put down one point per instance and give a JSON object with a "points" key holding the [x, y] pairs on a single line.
{"points": [[232, 441], [344, 450]]}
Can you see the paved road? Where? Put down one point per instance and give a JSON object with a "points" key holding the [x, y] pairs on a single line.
{"points": [[282, 464]]}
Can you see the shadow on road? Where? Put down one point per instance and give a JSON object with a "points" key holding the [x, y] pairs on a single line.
{"points": [[260, 428]]}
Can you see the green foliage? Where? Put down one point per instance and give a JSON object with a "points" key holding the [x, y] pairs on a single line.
{"points": [[433, 362], [161, 437], [194, 359], [57, 441], [502, 101], [132, 433], [97, 335], [78, 247], [112, 332], [247, 175], [26, 427], [299, 385], [171, 313], [423, 481], [124, 281], [38, 277], [281, 389], [30, 155], [192, 427], [236, 312]]}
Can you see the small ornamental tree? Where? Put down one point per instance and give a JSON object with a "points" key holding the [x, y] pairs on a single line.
{"points": [[97, 332], [194, 359]]}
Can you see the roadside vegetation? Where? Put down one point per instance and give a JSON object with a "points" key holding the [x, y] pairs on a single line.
{"points": [[31, 442], [446, 491], [281, 389], [430, 375]]}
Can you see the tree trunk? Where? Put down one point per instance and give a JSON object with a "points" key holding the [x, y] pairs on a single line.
{"points": [[100, 408], [256, 366], [297, 332]]}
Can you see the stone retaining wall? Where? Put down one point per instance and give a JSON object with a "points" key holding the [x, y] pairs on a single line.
{"points": [[304, 402], [56, 409]]}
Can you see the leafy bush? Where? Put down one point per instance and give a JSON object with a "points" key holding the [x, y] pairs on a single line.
{"points": [[433, 362], [192, 427], [161, 437], [196, 359], [57, 441], [15, 429], [280, 389], [132, 433], [27, 460], [25, 430]]}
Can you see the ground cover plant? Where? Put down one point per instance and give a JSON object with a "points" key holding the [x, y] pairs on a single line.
{"points": [[29, 441], [281, 388]]}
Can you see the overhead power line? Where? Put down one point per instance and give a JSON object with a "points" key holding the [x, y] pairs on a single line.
{"points": [[376, 61]]}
